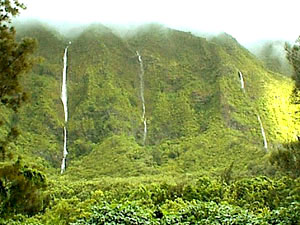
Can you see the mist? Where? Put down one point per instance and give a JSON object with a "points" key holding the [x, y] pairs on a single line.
{"points": [[247, 21], [261, 27], [273, 54]]}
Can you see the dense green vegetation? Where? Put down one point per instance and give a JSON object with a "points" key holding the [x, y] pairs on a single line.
{"points": [[203, 161], [15, 61], [293, 55], [197, 200]]}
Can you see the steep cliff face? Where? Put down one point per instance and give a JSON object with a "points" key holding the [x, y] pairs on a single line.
{"points": [[198, 117]]}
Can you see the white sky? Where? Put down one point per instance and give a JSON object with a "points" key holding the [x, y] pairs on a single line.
{"points": [[246, 20]]}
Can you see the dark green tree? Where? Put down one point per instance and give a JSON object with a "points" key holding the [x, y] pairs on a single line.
{"points": [[21, 189], [15, 60], [20, 186], [293, 55], [288, 159]]}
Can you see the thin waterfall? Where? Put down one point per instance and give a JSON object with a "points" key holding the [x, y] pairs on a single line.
{"points": [[141, 75], [64, 99], [65, 153], [242, 81], [258, 117], [263, 132]]}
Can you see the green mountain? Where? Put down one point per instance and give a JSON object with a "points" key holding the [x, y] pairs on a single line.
{"points": [[200, 121], [198, 117]]}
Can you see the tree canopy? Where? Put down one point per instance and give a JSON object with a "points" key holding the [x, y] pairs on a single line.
{"points": [[15, 60], [293, 55]]}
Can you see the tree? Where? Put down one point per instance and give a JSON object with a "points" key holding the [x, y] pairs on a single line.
{"points": [[293, 55], [20, 189], [19, 185], [287, 159], [15, 60]]}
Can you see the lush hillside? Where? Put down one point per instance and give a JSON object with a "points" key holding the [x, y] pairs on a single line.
{"points": [[203, 139], [196, 112]]}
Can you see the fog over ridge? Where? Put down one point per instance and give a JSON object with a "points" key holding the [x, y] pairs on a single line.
{"points": [[247, 21]]}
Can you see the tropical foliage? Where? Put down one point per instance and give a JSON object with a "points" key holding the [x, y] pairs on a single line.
{"points": [[203, 161]]}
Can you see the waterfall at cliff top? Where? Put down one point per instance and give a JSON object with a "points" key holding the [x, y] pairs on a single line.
{"points": [[64, 99], [141, 75]]}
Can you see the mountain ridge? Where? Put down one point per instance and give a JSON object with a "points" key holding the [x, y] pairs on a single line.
{"points": [[189, 80]]}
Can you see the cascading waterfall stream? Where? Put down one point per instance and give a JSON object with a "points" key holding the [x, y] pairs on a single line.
{"points": [[141, 75], [65, 152], [258, 117], [242, 81], [263, 132], [64, 99]]}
